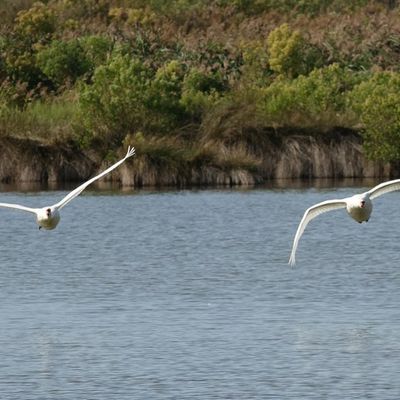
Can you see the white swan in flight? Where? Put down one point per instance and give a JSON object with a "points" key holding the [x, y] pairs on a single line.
{"points": [[359, 207], [48, 217]]}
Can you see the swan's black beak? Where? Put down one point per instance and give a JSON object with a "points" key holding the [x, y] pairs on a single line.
{"points": [[363, 204]]}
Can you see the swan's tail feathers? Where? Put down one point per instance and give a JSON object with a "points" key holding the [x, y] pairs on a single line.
{"points": [[130, 152]]}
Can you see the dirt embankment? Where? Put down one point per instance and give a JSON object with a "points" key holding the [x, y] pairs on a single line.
{"points": [[296, 156]]}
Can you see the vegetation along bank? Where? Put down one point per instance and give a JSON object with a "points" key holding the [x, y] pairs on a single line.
{"points": [[209, 92]]}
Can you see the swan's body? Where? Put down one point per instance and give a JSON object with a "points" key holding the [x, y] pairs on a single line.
{"points": [[49, 217], [359, 207]]}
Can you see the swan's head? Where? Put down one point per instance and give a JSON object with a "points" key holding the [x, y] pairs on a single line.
{"points": [[362, 203], [48, 212]]}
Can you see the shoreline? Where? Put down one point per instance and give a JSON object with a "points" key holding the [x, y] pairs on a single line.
{"points": [[297, 157]]}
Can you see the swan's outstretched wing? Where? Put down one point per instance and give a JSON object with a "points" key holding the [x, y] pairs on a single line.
{"points": [[310, 214], [79, 189], [18, 207], [385, 187]]}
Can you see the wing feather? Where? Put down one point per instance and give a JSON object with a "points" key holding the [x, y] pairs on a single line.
{"points": [[18, 207], [310, 214], [76, 192], [385, 187]]}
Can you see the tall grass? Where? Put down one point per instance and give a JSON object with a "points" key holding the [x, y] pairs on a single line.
{"points": [[51, 121]]}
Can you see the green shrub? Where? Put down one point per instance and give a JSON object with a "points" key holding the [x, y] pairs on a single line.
{"points": [[37, 23], [97, 49], [32, 28], [19, 62], [255, 69], [376, 101], [290, 54], [317, 100], [165, 94], [127, 96], [200, 91], [116, 102], [63, 62]]}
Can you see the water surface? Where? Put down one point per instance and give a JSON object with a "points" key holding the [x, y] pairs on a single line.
{"points": [[188, 295]]}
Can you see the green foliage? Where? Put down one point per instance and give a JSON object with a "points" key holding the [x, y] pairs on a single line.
{"points": [[63, 62], [32, 28], [200, 91], [116, 102], [127, 96], [51, 121], [318, 100], [290, 54], [165, 94], [255, 69], [37, 23], [377, 103], [325, 89], [18, 60], [97, 49], [205, 70]]}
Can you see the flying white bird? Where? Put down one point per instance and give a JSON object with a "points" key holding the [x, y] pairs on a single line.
{"points": [[48, 217], [359, 207]]}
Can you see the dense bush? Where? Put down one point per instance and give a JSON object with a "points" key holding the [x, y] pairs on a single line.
{"points": [[200, 91], [38, 22], [318, 100], [63, 62], [116, 102], [165, 92], [128, 96], [290, 54], [377, 102], [97, 49], [19, 62], [32, 28]]}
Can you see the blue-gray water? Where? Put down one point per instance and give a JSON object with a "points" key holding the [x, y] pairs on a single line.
{"points": [[188, 295]]}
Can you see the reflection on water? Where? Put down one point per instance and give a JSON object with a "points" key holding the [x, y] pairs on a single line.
{"points": [[273, 184], [188, 295]]}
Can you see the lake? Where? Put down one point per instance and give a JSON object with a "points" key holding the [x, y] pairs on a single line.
{"points": [[188, 295]]}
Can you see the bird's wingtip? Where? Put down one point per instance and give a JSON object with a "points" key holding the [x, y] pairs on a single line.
{"points": [[292, 261], [130, 152]]}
